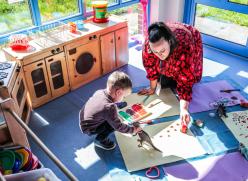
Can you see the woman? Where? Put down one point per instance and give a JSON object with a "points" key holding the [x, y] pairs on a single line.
{"points": [[172, 55]]}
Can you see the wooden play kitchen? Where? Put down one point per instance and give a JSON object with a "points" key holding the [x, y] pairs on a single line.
{"points": [[58, 62]]}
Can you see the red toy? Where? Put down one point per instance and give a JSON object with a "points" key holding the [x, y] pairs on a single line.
{"points": [[184, 128], [243, 104]]}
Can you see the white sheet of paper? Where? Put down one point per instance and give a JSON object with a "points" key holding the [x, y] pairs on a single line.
{"points": [[237, 122]]}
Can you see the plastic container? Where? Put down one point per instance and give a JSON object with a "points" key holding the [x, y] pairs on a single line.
{"points": [[33, 175], [100, 12]]}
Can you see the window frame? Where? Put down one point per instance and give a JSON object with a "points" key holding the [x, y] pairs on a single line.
{"points": [[189, 18], [36, 17]]}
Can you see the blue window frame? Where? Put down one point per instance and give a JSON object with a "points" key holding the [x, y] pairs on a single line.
{"points": [[82, 14], [226, 42]]}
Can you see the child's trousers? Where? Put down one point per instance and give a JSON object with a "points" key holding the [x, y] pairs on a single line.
{"points": [[103, 131]]}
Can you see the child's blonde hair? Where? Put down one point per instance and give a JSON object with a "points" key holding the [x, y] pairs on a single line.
{"points": [[119, 80]]}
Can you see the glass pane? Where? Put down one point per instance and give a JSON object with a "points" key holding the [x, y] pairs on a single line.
{"points": [[131, 14], [57, 74], [89, 6], [54, 9], [240, 1], [224, 24], [14, 15], [38, 78], [20, 93]]}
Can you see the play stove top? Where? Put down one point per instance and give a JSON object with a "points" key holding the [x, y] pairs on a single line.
{"points": [[8, 74], [7, 71]]}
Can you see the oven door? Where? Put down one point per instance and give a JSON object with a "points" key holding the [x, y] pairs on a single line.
{"points": [[19, 93]]}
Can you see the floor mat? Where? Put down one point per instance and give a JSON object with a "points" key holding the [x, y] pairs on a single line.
{"points": [[227, 167], [205, 96]]}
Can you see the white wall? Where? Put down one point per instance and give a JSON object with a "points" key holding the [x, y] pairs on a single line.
{"points": [[167, 10]]}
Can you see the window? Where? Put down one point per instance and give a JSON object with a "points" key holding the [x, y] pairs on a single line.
{"points": [[15, 15], [56, 9], [224, 24], [131, 14], [240, 1]]}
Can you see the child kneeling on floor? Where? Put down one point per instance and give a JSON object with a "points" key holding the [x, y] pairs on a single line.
{"points": [[99, 115]]}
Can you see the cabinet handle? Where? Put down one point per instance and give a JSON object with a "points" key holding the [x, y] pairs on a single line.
{"points": [[119, 38], [50, 60], [39, 64], [73, 59], [111, 41]]}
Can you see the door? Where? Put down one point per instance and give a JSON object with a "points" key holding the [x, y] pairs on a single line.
{"points": [[108, 52], [57, 74], [222, 23], [37, 82], [19, 93], [121, 44]]}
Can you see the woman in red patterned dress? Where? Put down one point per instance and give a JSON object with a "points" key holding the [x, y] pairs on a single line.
{"points": [[172, 55]]}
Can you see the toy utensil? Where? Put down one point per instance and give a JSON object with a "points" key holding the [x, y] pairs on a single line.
{"points": [[229, 90]]}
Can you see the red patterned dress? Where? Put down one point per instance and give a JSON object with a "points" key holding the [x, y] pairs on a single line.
{"points": [[184, 64]]}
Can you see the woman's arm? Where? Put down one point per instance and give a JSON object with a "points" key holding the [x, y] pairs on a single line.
{"points": [[151, 65]]}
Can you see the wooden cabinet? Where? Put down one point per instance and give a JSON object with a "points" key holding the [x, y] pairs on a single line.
{"points": [[46, 79], [108, 52], [121, 45], [97, 50], [114, 49], [57, 74], [37, 82]]}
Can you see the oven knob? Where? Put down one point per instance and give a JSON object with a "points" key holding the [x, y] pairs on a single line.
{"points": [[1, 82], [53, 51], [94, 36], [90, 37], [58, 50]]}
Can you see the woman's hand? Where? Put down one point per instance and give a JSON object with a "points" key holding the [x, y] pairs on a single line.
{"points": [[146, 91], [184, 113], [151, 90], [184, 116]]}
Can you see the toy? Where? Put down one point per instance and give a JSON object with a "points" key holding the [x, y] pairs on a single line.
{"points": [[184, 128], [73, 27], [144, 138], [199, 123], [150, 170], [18, 42], [100, 11], [243, 104], [121, 105], [229, 90], [221, 110]]}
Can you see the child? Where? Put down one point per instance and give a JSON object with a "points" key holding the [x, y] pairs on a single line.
{"points": [[99, 115]]}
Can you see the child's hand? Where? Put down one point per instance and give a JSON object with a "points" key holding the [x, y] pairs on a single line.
{"points": [[136, 130]]}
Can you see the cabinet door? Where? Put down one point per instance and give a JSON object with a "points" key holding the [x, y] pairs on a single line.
{"points": [[57, 74], [19, 93], [121, 43], [108, 52], [37, 82]]}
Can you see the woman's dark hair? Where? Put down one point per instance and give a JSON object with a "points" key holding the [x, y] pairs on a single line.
{"points": [[159, 30]]}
